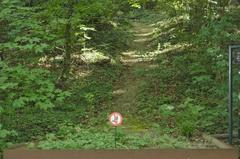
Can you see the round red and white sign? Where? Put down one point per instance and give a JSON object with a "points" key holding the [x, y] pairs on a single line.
{"points": [[116, 119]]}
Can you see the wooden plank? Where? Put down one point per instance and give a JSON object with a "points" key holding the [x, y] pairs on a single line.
{"points": [[216, 142], [224, 136], [15, 146], [123, 154]]}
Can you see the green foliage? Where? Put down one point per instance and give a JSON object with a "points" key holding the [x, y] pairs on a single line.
{"points": [[78, 137], [113, 39], [3, 135], [185, 93], [25, 33], [196, 71], [185, 119], [170, 30], [219, 32], [95, 90], [32, 31], [188, 117], [85, 105], [21, 86], [31, 129], [146, 4]]}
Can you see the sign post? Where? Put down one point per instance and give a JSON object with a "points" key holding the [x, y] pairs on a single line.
{"points": [[230, 91], [115, 120]]}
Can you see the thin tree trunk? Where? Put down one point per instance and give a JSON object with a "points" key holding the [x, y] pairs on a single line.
{"points": [[68, 44]]}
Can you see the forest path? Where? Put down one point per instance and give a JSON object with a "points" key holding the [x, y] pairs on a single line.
{"points": [[128, 86]]}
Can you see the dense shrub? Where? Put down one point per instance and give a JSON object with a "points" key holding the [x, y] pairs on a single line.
{"points": [[78, 137], [21, 86]]}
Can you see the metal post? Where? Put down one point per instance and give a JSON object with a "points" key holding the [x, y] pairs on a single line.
{"points": [[230, 99], [115, 137], [238, 126], [238, 61]]}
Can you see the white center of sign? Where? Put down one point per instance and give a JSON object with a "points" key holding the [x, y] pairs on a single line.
{"points": [[116, 119]]}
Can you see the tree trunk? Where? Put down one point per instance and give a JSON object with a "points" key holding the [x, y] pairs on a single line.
{"points": [[197, 14], [68, 44]]}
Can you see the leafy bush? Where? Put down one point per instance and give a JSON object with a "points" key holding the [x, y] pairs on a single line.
{"points": [[78, 137], [3, 135], [31, 129], [24, 87], [85, 105], [188, 117], [21, 86], [25, 38]]}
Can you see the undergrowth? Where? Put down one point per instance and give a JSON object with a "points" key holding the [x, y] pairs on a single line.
{"points": [[86, 106], [78, 137], [186, 92]]}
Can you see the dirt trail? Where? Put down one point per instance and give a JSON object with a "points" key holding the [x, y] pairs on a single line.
{"points": [[127, 87]]}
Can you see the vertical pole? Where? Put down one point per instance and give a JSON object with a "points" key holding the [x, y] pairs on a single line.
{"points": [[230, 99], [238, 107], [238, 126], [115, 137]]}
